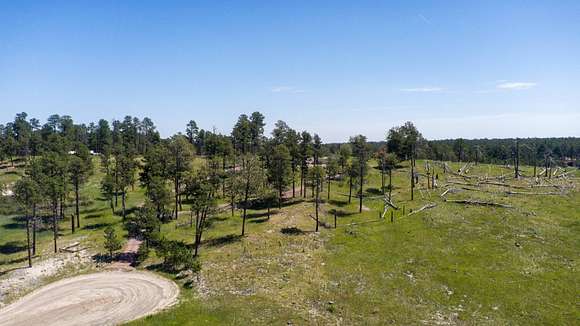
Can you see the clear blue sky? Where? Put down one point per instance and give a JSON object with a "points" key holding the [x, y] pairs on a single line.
{"points": [[456, 68]]}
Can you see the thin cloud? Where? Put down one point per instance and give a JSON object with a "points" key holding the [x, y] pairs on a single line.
{"points": [[516, 85], [428, 89], [285, 89]]}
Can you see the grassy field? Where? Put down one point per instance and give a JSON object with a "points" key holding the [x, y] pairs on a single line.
{"points": [[451, 264], [96, 215]]}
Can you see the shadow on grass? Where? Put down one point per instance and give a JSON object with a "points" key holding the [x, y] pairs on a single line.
{"points": [[160, 267], [93, 216], [12, 247], [219, 218], [374, 191], [96, 210], [292, 231], [96, 226], [259, 221], [261, 214], [13, 261], [15, 268], [338, 203], [341, 213], [224, 240], [14, 226]]}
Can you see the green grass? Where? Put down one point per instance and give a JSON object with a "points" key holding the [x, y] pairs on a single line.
{"points": [[449, 264], [96, 215], [452, 263]]}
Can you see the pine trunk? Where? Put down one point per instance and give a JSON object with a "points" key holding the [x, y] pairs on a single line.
{"points": [[55, 226], [77, 200], [28, 241]]}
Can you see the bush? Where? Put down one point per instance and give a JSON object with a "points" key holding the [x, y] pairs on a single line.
{"points": [[142, 254], [177, 256]]}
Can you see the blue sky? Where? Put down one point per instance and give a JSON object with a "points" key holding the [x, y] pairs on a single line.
{"points": [[467, 69]]}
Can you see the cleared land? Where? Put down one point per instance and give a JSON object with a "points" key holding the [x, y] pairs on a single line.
{"points": [[107, 298]]}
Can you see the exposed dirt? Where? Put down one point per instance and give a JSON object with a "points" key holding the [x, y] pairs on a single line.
{"points": [[24, 279], [107, 298], [127, 258]]}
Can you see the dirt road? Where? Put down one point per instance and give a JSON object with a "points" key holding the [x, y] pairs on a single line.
{"points": [[107, 298]]}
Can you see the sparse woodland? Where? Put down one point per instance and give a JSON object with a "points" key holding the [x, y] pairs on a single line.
{"points": [[61, 177]]}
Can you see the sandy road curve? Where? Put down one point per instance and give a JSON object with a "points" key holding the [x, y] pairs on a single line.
{"points": [[107, 298]]}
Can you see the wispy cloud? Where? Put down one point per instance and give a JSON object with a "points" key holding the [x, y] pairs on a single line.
{"points": [[426, 89], [424, 19], [515, 85], [285, 89]]}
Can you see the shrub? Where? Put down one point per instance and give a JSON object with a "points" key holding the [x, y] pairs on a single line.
{"points": [[142, 254], [177, 256]]}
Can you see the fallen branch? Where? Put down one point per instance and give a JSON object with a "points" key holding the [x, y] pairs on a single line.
{"points": [[503, 184], [360, 223], [321, 223], [477, 202], [428, 206], [390, 203], [452, 190], [533, 193]]}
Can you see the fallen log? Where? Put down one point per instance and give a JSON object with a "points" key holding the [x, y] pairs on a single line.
{"points": [[461, 183], [360, 223], [533, 193], [478, 203], [428, 206], [563, 175], [452, 190], [321, 223], [74, 244], [503, 185], [390, 203]]}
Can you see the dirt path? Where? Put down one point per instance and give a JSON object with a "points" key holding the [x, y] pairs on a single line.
{"points": [[127, 257], [107, 298]]}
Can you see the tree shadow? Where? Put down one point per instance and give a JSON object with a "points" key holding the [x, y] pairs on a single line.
{"points": [[292, 202], [92, 216], [260, 214], [12, 247], [95, 210], [13, 261], [218, 218], [338, 203], [15, 268], [103, 258], [223, 240], [374, 191], [341, 213], [96, 226], [14, 226], [291, 231], [259, 221], [161, 268]]}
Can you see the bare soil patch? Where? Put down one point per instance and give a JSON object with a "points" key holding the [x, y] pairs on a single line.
{"points": [[107, 298]]}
